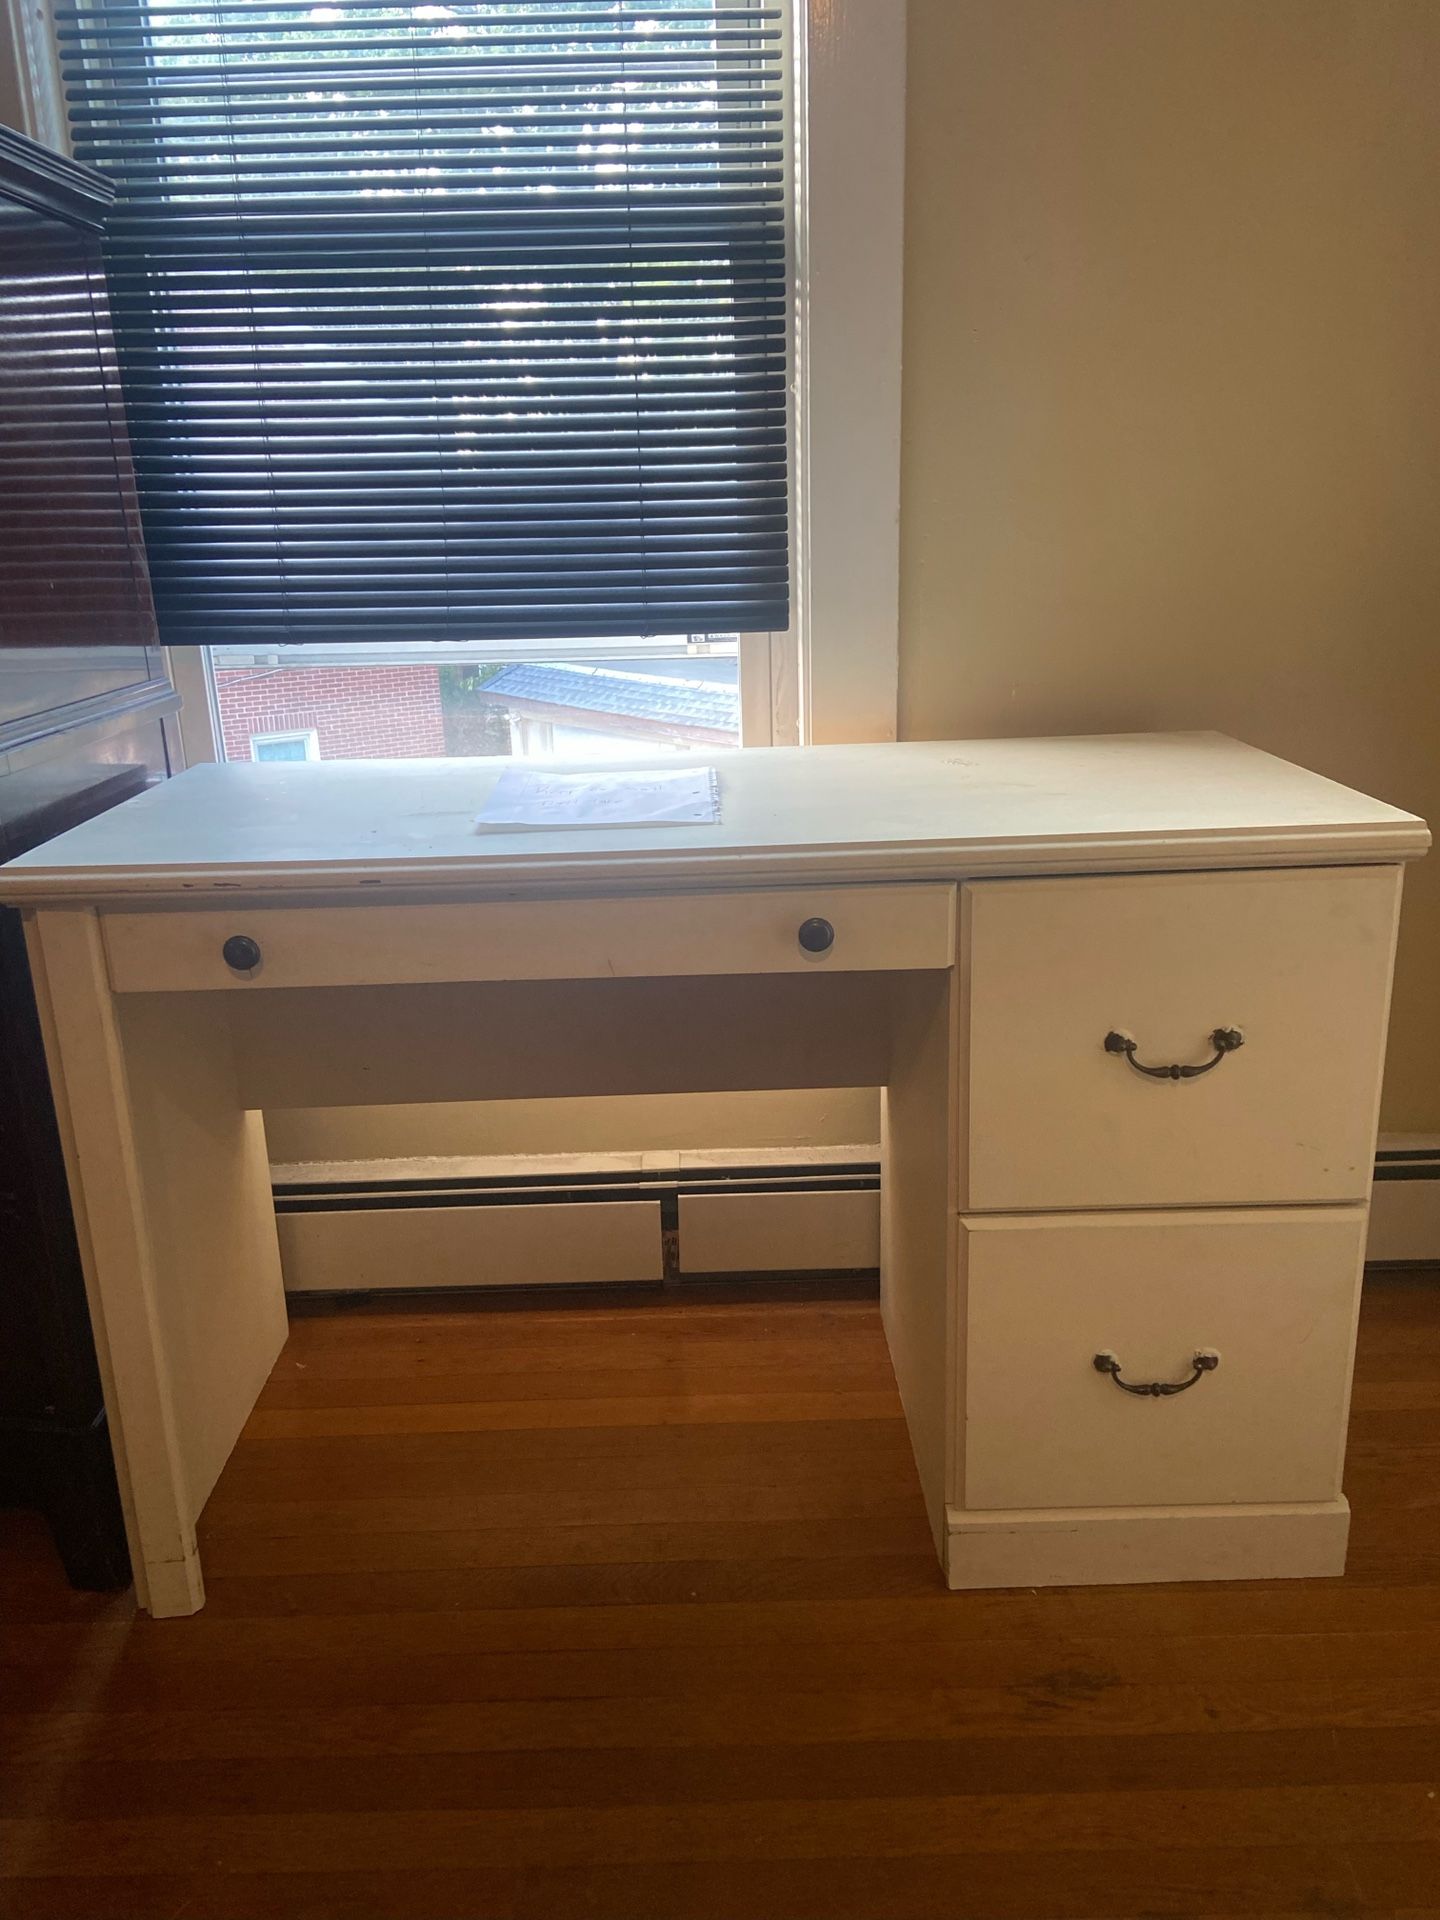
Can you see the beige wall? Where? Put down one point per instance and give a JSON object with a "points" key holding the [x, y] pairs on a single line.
{"points": [[1172, 393], [844, 1117]]}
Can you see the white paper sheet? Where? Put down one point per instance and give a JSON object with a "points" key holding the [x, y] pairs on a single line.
{"points": [[531, 797]]}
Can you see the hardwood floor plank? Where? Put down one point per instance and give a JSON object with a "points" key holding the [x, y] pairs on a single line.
{"points": [[475, 1451], [425, 1465], [532, 1415], [574, 1545], [631, 1611], [942, 1621], [481, 1894], [1225, 1882], [384, 1839], [339, 1778], [1041, 1668], [308, 1389], [438, 1686], [1398, 1876], [322, 1519], [863, 1575]]}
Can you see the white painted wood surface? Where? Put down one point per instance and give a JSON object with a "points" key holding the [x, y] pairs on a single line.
{"points": [[917, 1227], [483, 1246], [850, 216], [813, 815], [92, 1092], [1405, 1223], [92, 1108], [1121, 1546], [422, 1168], [177, 1238], [1299, 961], [158, 1092], [1274, 1293], [204, 1177], [651, 936], [827, 1231]]}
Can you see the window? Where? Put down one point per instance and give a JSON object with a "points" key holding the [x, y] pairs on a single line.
{"points": [[456, 322], [420, 702], [285, 746]]}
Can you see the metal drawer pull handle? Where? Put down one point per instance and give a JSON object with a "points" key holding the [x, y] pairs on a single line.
{"points": [[1205, 1361], [1224, 1040]]}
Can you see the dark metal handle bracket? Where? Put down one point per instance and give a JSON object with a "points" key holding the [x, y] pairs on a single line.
{"points": [[1206, 1360], [1224, 1040]]}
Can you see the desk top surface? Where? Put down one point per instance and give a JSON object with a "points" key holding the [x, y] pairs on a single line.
{"points": [[921, 809]]}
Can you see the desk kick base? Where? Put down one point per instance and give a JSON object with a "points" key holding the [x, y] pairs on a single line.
{"points": [[1110, 1546]]}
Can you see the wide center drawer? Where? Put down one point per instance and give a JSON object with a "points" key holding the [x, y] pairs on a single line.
{"points": [[842, 929], [1103, 1020], [1270, 1296]]}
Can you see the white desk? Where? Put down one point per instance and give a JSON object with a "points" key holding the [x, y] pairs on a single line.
{"points": [[998, 909]]}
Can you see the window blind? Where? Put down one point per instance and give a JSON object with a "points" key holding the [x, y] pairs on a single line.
{"points": [[448, 321]]}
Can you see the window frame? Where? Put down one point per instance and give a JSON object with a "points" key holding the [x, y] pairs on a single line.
{"points": [[833, 675], [308, 736], [849, 72]]}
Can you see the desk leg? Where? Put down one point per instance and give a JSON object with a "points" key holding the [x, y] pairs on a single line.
{"points": [[177, 1234], [917, 1229]]}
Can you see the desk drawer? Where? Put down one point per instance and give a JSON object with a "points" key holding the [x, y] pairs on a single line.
{"points": [[1274, 1294], [654, 935], [1296, 962]]}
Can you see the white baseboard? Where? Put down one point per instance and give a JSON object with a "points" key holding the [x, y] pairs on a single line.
{"points": [[819, 1231], [1405, 1200], [592, 1220], [398, 1224], [398, 1249], [1119, 1546]]}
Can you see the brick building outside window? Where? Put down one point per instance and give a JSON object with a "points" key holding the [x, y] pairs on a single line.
{"points": [[355, 713], [278, 708]]}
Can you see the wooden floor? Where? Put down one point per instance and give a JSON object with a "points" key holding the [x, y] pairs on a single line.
{"points": [[632, 1612]]}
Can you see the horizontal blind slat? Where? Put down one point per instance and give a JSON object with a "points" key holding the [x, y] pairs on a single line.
{"points": [[447, 322]]}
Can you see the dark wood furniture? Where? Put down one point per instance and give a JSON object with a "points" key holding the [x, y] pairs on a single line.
{"points": [[84, 702]]}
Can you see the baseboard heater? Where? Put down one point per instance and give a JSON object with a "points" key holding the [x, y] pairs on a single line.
{"points": [[563, 1228], [1405, 1202], [397, 1226]]}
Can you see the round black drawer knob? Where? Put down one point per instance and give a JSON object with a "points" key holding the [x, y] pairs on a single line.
{"points": [[816, 936], [241, 952]]}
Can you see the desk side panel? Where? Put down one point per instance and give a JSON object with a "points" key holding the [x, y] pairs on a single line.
{"points": [[211, 1218], [92, 1103], [918, 1224]]}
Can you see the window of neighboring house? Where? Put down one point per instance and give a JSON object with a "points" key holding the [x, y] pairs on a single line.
{"points": [[425, 702], [285, 746], [455, 340]]}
